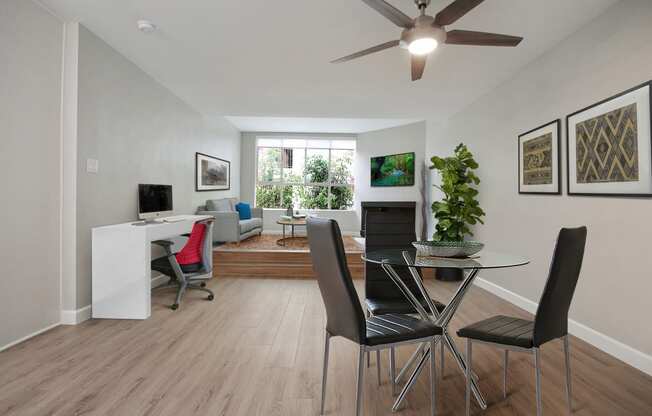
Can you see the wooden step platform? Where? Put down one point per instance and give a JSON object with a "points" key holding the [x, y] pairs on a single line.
{"points": [[262, 257]]}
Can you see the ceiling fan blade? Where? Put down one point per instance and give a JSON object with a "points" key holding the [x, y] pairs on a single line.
{"points": [[373, 49], [392, 13], [468, 37], [454, 11], [418, 65]]}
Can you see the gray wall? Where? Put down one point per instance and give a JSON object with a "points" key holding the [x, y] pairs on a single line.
{"points": [[140, 133], [30, 109], [402, 139], [607, 56]]}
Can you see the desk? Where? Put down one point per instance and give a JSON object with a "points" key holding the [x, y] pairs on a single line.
{"points": [[121, 269], [390, 259]]}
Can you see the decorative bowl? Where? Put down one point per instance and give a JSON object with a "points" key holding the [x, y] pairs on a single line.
{"points": [[447, 248]]}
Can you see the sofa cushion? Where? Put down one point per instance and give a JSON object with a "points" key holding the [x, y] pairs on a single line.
{"points": [[248, 225], [244, 210], [222, 204]]}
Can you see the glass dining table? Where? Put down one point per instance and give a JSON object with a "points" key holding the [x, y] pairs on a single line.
{"points": [[392, 259]]}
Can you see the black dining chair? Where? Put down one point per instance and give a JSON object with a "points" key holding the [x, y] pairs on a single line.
{"points": [[383, 297], [344, 314], [550, 321]]}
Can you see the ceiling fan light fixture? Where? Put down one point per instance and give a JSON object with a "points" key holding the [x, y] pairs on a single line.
{"points": [[423, 46]]}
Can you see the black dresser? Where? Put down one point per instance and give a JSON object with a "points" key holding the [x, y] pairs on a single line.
{"points": [[386, 225]]}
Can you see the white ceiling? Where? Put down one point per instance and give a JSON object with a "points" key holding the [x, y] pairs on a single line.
{"points": [[315, 125], [270, 58]]}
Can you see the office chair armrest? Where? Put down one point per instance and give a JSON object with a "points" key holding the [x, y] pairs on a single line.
{"points": [[166, 244]]}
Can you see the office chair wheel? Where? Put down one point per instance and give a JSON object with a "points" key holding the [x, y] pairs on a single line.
{"points": [[202, 284], [174, 306], [211, 297]]}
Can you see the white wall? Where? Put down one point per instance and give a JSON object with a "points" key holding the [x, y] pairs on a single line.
{"points": [[607, 56], [30, 111], [403, 139], [140, 133]]}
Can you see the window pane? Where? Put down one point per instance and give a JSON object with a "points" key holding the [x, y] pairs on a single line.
{"points": [[293, 165], [341, 197], [269, 142], [268, 196], [343, 144], [269, 164], [294, 143], [313, 197], [316, 166], [341, 166], [319, 144]]}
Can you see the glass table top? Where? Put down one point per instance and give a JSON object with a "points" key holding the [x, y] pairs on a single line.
{"points": [[483, 260]]}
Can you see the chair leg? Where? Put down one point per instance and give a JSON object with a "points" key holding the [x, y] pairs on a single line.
{"points": [[433, 377], [180, 292], [469, 360], [569, 392], [392, 369], [443, 352], [537, 371], [505, 363], [358, 395], [378, 365], [324, 375]]}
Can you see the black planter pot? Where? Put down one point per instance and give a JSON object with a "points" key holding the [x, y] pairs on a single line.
{"points": [[449, 275]]}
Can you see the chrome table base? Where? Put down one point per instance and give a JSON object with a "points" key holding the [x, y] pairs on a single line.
{"points": [[442, 320]]}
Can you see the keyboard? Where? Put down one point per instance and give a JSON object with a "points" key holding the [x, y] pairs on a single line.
{"points": [[175, 218]]}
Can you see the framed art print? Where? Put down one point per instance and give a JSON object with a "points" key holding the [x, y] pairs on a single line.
{"points": [[212, 173], [538, 160], [609, 146]]}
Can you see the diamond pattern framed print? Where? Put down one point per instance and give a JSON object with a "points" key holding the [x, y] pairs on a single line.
{"points": [[609, 146], [538, 160]]}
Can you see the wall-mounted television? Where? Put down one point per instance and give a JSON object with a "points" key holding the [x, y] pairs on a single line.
{"points": [[393, 170]]}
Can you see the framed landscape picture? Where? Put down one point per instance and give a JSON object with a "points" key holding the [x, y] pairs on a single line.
{"points": [[212, 173], [609, 146], [393, 170], [539, 160]]}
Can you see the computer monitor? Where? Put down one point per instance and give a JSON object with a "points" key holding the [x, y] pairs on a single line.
{"points": [[154, 201]]}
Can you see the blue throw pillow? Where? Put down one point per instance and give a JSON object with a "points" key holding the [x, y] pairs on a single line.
{"points": [[244, 210]]}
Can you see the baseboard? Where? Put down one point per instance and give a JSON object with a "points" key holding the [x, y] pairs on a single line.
{"points": [[25, 338], [611, 346], [74, 317]]}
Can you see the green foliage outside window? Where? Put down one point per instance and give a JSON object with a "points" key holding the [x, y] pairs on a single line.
{"points": [[315, 171]]}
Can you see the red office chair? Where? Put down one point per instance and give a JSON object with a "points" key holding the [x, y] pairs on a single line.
{"points": [[192, 266]]}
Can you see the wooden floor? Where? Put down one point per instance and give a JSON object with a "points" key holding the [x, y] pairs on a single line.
{"points": [[257, 350]]}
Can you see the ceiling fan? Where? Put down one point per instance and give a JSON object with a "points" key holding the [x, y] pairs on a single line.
{"points": [[424, 33]]}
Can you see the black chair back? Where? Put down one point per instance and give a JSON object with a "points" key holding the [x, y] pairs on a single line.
{"points": [[344, 314], [551, 320]]}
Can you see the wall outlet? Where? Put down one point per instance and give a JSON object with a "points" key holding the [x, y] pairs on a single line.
{"points": [[92, 165]]}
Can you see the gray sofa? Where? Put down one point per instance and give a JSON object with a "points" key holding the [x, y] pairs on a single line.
{"points": [[228, 226]]}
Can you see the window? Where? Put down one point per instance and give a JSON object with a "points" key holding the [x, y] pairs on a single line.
{"points": [[304, 173]]}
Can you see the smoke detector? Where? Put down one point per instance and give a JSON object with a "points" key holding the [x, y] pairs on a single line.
{"points": [[145, 26]]}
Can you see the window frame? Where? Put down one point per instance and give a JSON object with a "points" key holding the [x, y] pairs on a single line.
{"points": [[329, 184]]}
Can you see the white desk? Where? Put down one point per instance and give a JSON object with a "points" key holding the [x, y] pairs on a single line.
{"points": [[122, 266]]}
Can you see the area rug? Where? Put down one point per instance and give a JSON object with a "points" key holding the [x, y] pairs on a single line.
{"points": [[268, 242]]}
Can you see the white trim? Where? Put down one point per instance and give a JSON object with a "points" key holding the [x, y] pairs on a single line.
{"points": [[75, 317], [25, 338], [68, 173], [623, 352]]}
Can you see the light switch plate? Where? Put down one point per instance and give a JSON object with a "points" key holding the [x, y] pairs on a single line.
{"points": [[92, 165]]}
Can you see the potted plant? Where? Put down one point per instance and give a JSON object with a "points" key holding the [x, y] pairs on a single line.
{"points": [[459, 209]]}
